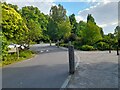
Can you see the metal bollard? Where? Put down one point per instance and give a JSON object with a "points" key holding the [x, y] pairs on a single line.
{"points": [[50, 43], [71, 60], [109, 49], [17, 51], [117, 50], [58, 43]]}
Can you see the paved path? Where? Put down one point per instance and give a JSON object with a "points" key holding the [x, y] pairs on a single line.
{"points": [[48, 69], [97, 69]]}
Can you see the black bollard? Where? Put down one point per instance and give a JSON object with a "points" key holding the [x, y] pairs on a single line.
{"points": [[109, 49], [58, 43], [50, 42], [71, 60], [117, 50]]}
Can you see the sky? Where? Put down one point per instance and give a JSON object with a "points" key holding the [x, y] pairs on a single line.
{"points": [[105, 12]]}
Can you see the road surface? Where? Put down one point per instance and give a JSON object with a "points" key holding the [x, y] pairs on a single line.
{"points": [[97, 69], [48, 69]]}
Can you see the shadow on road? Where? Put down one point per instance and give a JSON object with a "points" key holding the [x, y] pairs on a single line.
{"points": [[40, 76]]}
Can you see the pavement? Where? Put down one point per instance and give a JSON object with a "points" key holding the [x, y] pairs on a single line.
{"points": [[97, 69], [48, 69]]}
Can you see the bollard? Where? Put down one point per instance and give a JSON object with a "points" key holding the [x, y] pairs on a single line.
{"points": [[109, 49], [117, 50], [50, 42], [17, 51], [71, 60], [58, 43]]}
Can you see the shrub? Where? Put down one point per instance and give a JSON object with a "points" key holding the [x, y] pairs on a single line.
{"points": [[87, 48], [25, 54], [102, 46], [64, 45], [72, 37], [11, 58]]}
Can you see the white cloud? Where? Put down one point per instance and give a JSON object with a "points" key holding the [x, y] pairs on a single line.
{"points": [[79, 18], [105, 14], [103, 25], [43, 5]]}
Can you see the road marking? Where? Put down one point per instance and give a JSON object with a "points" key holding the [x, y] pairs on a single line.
{"points": [[66, 82]]}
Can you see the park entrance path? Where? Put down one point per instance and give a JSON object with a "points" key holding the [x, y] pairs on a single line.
{"points": [[48, 69], [97, 69]]}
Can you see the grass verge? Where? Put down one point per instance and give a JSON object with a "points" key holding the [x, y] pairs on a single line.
{"points": [[12, 58]]}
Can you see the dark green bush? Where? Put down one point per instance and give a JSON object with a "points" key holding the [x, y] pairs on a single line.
{"points": [[87, 48]]}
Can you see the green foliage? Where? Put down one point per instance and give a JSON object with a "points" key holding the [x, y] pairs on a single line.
{"points": [[25, 54], [73, 23], [64, 45], [91, 34], [117, 32], [15, 7], [35, 31], [90, 19], [58, 13], [59, 26], [102, 46], [36, 22], [72, 37], [101, 32], [3, 46], [87, 48], [12, 58], [64, 29], [52, 30], [13, 26], [81, 26]]}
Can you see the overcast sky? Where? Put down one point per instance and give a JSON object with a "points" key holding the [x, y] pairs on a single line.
{"points": [[105, 12]]}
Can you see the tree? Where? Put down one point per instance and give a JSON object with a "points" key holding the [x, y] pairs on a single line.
{"points": [[58, 13], [81, 26], [101, 32], [52, 30], [91, 34], [35, 21], [90, 18], [64, 29], [13, 26], [117, 32], [35, 32], [15, 7], [59, 25], [73, 23], [4, 46]]}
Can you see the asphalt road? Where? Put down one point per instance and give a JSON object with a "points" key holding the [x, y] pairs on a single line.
{"points": [[48, 69]]}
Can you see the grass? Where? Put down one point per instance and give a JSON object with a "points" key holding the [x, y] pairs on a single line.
{"points": [[12, 58]]}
